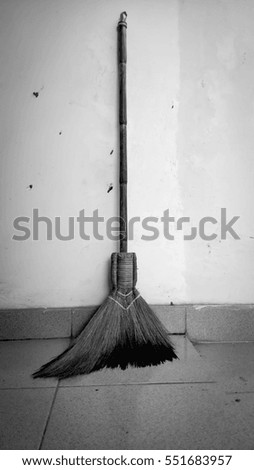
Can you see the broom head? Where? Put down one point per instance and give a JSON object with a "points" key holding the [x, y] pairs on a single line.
{"points": [[123, 332]]}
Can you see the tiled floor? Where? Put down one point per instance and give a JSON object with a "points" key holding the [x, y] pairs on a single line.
{"points": [[205, 400]]}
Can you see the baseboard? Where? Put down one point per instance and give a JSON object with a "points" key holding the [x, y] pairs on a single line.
{"points": [[199, 322], [65, 322], [220, 322]]}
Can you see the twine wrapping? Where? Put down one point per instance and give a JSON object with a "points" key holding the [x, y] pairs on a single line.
{"points": [[123, 270]]}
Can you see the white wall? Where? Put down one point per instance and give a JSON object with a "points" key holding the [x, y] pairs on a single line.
{"points": [[190, 143]]}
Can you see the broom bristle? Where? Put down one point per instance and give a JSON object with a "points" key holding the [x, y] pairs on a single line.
{"points": [[124, 331]]}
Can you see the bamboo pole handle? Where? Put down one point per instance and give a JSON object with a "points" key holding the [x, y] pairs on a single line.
{"points": [[122, 60]]}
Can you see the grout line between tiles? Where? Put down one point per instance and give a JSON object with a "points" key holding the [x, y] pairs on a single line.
{"points": [[28, 388], [185, 320], [13, 340], [137, 384], [49, 415], [109, 385], [222, 342]]}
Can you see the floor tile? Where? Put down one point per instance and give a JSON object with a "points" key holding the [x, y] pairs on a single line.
{"points": [[24, 415], [189, 368], [233, 362], [19, 359], [182, 416]]}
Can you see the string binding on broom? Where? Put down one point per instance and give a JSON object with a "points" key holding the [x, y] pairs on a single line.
{"points": [[124, 295], [120, 305]]}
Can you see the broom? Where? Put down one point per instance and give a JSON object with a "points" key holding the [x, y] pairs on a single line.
{"points": [[124, 330]]}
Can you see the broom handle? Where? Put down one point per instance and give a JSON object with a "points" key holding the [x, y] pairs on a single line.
{"points": [[122, 59]]}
